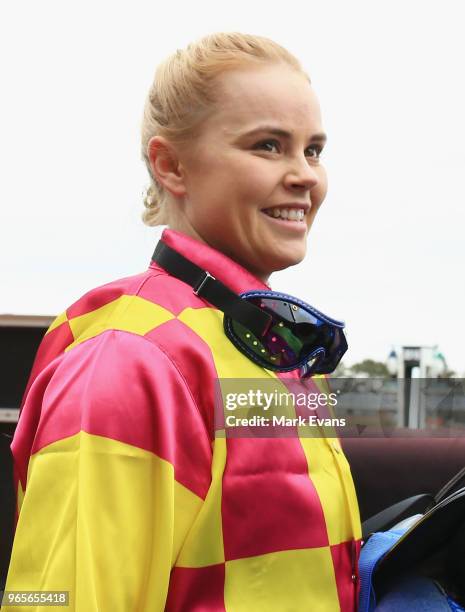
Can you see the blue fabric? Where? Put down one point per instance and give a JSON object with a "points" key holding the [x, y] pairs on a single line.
{"points": [[372, 552], [455, 607], [415, 593]]}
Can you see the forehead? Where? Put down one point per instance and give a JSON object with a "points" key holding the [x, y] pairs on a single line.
{"points": [[276, 93]]}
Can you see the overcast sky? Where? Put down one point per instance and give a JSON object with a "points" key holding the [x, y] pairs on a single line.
{"points": [[386, 253]]}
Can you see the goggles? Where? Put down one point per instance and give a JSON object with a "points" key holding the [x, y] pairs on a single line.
{"points": [[276, 331]]}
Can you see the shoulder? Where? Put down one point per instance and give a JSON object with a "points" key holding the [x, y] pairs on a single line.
{"points": [[128, 339], [118, 386], [160, 311], [154, 286], [141, 304], [114, 376], [146, 305]]}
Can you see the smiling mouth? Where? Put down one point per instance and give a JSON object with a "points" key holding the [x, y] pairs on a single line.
{"points": [[287, 214]]}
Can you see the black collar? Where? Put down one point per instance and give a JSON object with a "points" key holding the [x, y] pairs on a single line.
{"points": [[211, 289]]}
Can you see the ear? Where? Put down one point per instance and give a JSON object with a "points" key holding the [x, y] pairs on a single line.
{"points": [[165, 165]]}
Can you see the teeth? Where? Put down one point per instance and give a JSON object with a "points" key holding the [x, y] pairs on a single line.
{"points": [[291, 214]]}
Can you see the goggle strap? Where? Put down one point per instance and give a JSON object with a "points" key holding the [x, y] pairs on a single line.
{"points": [[211, 289]]}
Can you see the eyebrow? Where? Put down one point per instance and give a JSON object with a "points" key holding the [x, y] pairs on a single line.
{"points": [[271, 129]]}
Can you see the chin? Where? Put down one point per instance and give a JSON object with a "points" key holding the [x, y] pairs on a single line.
{"points": [[284, 260]]}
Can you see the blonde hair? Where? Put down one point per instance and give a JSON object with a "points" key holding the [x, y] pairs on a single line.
{"points": [[183, 95]]}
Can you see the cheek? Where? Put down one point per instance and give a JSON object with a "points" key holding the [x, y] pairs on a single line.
{"points": [[257, 180], [244, 183], [318, 194], [230, 183]]}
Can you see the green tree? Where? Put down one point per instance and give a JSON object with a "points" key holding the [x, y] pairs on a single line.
{"points": [[370, 367], [448, 374]]}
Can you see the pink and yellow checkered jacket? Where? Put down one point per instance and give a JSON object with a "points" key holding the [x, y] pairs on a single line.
{"points": [[127, 499]]}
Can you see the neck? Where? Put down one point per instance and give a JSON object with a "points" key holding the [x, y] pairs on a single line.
{"points": [[182, 224]]}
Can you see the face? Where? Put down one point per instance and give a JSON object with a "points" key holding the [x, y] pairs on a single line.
{"points": [[252, 178]]}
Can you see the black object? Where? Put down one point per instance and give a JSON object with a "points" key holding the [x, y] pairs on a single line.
{"points": [[433, 546], [7, 499], [434, 532], [277, 331]]}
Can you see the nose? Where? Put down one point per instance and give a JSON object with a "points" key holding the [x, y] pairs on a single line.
{"points": [[301, 175]]}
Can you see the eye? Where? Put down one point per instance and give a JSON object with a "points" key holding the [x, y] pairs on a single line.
{"points": [[314, 151], [273, 146], [267, 145]]}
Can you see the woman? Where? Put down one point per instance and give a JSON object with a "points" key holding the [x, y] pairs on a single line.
{"points": [[127, 498]]}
